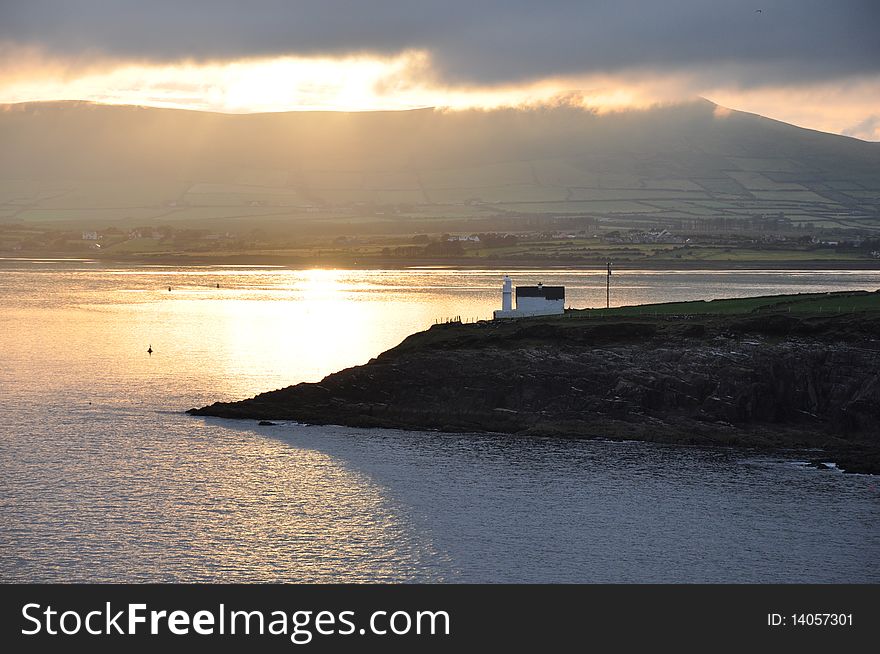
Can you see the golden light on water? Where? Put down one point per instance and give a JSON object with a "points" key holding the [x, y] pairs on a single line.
{"points": [[107, 480], [264, 329], [268, 489]]}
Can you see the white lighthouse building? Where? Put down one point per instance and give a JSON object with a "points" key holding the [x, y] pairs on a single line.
{"points": [[506, 292], [537, 300]]}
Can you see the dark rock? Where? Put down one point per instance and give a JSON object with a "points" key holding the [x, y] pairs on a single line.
{"points": [[773, 381]]}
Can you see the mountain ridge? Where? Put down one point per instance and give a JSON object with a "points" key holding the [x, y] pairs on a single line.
{"points": [[673, 161]]}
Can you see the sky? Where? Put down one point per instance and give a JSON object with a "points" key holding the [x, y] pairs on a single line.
{"points": [[814, 63]]}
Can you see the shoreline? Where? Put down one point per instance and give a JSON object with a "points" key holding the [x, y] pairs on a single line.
{"points": [[845, 460], [452, 264], [779, 375]]}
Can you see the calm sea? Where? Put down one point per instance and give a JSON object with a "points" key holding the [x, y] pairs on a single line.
{"points": [[105, 479]]}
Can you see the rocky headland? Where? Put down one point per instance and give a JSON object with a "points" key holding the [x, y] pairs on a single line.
{"points": [[785, 373]]}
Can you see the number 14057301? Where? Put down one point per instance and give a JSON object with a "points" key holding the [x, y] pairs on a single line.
{"points": [[810, 620]]}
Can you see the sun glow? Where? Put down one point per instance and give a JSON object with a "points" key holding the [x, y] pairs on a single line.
{"points": [[277, 84], [350, 83], [409, 80]]}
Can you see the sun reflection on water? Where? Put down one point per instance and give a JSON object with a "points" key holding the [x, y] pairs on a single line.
{"points": [[105, 479], [309, 514]]}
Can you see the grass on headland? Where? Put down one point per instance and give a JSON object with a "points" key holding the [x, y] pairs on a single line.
{"points": [[802, 303]]}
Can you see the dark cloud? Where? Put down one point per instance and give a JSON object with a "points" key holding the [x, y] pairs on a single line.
{"points": [[476, 41]]}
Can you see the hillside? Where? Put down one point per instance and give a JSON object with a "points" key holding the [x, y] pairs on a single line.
{"points": [[69, 163], [783, 371]]}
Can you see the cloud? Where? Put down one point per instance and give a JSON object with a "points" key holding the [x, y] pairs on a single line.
{"points": [[814, 63], [472, 41], [867, 129], [349, 83], [842, 106], [409, 80]]}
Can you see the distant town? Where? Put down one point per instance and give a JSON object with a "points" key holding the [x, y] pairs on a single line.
{"points": [[563, 239]]}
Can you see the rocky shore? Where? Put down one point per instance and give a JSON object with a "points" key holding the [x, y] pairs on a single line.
{"points": [[768, 378]]}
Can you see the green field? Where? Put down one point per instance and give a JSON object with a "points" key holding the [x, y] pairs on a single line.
{"points": [[502, 174], [519, 193], [139, 246], [805, 303], [524, 187]]}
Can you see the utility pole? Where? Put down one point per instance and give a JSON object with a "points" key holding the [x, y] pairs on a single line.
{"points": [[608, 288]]}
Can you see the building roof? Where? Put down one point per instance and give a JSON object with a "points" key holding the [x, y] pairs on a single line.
{"points": [[546, 292]]}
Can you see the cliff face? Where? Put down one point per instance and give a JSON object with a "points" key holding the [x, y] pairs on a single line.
{"points": [[773, 380]]}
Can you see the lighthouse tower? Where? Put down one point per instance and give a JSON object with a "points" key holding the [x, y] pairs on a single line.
{"points": [[537, 300]]}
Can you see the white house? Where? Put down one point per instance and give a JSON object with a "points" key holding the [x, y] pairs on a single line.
{"points": [[473, 238], [537, 300]]}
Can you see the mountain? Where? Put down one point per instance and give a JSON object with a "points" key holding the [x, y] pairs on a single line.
{"points": [[70, 162]]}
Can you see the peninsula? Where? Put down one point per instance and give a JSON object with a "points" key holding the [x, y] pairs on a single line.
{"points": [[796, 371]]}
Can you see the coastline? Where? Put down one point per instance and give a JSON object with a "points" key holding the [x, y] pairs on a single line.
{"points": [[464, 263], [781, 375]]}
